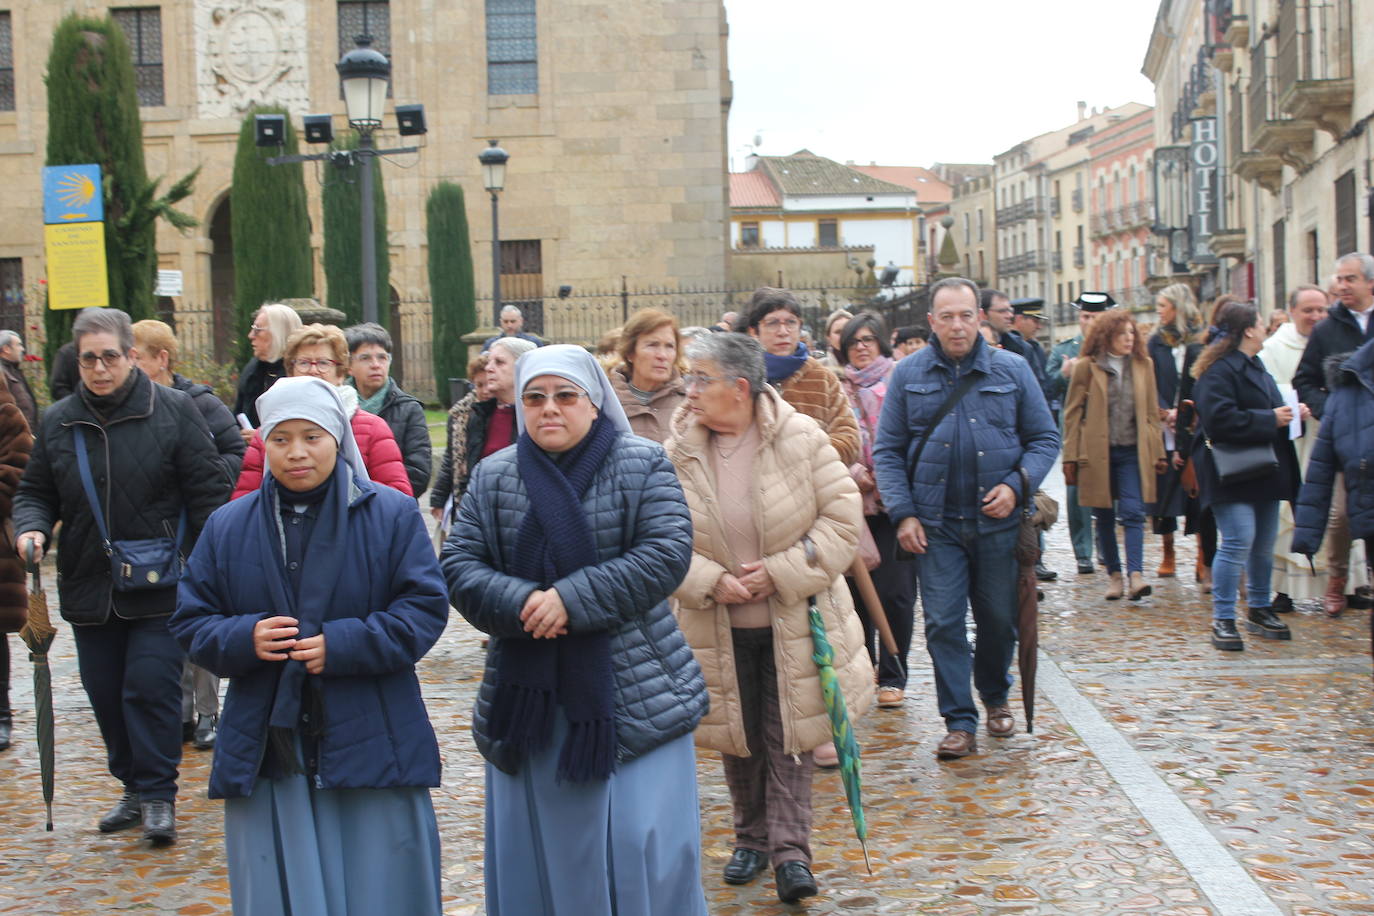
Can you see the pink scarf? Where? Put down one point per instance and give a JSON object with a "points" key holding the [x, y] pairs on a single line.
{"points": [[866, 389]]}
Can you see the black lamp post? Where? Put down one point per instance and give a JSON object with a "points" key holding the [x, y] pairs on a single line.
{"points": [[493, 160]]}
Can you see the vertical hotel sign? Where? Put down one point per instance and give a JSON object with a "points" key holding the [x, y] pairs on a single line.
{"points": [[74, 236], [1203, 155]]}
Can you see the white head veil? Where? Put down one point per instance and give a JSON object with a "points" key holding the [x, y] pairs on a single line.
{"points": [[577, 366], [304, 397]]}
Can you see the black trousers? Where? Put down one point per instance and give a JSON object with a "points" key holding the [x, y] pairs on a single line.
{"points": [[4, 673], [895, 582], [131, 670]]}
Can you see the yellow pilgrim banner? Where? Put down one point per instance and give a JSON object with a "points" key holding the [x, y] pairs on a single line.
{"points": [[76, 265]]}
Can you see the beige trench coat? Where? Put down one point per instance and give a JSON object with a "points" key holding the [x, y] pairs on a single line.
{"points": [[1087, 439]]}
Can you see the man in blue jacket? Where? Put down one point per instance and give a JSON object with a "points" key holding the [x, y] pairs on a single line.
{"points": [[959, 423]]}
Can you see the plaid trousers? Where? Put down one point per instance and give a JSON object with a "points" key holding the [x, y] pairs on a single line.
{"points": [[771, 790]]}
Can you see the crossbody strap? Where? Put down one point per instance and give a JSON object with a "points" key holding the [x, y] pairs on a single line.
{"points": [[959, 391], [83, 465]]}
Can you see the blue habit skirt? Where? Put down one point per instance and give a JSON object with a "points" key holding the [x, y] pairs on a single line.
{"points": [[629, 846], [298, 851]]}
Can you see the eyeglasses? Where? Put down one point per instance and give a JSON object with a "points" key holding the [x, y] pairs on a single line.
{"points": [[368, 359], [697, 380], [564, 398], [869, 341], [305, 365], [255, 329], [773, 324], [106, 359]]}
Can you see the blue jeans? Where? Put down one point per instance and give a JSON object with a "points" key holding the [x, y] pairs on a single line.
{"points": [[1130, 511], [1247, 542], [961, 567]]}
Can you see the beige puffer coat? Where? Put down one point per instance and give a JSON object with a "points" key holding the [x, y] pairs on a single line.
{"points": [[803, 492]]}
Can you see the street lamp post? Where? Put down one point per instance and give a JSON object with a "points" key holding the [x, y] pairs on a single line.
{"points": [[493, 160]]}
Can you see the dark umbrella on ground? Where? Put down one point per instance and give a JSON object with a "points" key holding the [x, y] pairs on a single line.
{"points": [[846, 746], [1038, 513], [38, 634]]}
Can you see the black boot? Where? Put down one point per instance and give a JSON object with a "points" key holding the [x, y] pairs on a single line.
{"points": [[1225, 636], [1263, 622], [206, 729], [1044, 573], [6, 724], [1282, 603], [127, 813]]}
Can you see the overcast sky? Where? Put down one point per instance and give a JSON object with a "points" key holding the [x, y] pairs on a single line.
{"points": [[912, 82]]}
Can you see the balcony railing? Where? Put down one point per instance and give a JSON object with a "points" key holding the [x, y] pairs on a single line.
{"points": [[1315, 66], [1024, 263], [1078, 200], [1273, 132], [1080, 259], [1029, 208]]}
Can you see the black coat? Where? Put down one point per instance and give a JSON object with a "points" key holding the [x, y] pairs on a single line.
{"points": [[1345, 445], [474, 440], [255, 378], [1236, 398], [1339, 332], [1172, 388], [1030, 350], [406, 416], [64, 377], [150, 459], [224, 429]]}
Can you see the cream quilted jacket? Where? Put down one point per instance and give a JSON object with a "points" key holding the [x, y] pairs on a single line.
{"points": [[803, 493]]}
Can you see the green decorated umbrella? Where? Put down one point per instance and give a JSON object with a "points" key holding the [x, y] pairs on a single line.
{"points": [[38, 634], [846, 747]]}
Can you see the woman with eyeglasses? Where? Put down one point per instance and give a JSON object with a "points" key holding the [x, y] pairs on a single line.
{"points": [[153, 471], [322, 351], [565, 551], [369, 371], [868, 365], [648, 379], [776, 520], [267, 335]]}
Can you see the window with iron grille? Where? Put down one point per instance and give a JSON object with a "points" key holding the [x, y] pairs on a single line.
{"points": [[142, 25], [827, 234], [1346, 219], [512, 48], [6, 63], [365, 17]]}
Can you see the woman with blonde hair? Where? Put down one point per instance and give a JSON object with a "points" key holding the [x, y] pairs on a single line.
{"points": [[272, 324], [321, 350], [1113, 441], [648, 381], [1172, 348]]}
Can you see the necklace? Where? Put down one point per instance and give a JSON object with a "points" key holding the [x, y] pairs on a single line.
{"points": [[723, 454]]}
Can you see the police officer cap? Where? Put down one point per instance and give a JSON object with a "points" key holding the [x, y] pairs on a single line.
{"points": [[1030, 307], [1094, 302]]}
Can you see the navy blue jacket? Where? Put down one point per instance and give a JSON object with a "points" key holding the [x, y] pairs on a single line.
{"points": [[388, 609], [1235, 400], [643, 533], [1005, 412], [1338, 332], [1345, 443]]}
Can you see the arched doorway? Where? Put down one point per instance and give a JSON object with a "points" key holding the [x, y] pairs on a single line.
{"points": [[222, 281]]}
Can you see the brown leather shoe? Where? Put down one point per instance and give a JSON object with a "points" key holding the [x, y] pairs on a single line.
{"points": [[1001, 724], [1167, 566], [957, 744], [1333, 602]]}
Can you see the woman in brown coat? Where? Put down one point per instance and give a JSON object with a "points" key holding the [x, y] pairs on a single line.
{"points": [[648, 381], [16, 441], [1113, 441], [776, 520]]}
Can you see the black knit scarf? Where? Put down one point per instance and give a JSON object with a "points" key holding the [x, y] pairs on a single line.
{"points": [[533, 676]]}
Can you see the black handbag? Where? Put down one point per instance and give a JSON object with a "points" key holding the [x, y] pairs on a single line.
{"points": [[135, 565], [1239, 463]]}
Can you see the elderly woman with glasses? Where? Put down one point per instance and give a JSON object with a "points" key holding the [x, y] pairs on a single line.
{"points": [[565, 550], [321, 350], [272, 325], [776, 519], [317, 595], [151, 470], [369, 371]]}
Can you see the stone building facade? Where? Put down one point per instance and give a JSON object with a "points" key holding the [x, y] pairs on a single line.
{"points": [[973, 204], [1121, 159], [614, 116]]}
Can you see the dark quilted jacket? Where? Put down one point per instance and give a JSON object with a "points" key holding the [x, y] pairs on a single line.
{"points": [[643, 537], [153, 456], [224, 429], [1004, 412], [1345, 444], [406, 416], [1338, 332]]}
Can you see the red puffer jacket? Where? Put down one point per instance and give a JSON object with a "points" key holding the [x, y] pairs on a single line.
{"points": [[381, 456]]}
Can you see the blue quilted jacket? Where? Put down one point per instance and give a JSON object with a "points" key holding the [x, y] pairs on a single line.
{"points": [[1345, 444], [1005, 412], [643, 534]]}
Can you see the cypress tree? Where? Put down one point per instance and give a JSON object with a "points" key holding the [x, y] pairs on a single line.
{"points": [[453, 297], [270, 227], [93, 118], [343, 258]]}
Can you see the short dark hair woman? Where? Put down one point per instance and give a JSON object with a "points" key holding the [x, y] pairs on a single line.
{"points": [[565, 550], [369, 372], [316, 595], [1239, 405], [152, 464]]}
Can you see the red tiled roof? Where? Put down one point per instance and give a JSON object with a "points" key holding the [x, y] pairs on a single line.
{"points": [[752, 190], [927, 185]]}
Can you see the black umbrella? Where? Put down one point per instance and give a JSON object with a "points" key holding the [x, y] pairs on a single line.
{"points": [[1038, 514], [38, 634]]}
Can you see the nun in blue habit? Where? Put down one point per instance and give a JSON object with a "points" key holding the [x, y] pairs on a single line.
{"points": [[316, 595], [566, 548]]}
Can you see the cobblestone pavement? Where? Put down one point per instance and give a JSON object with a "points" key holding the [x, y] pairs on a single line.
{"points": [[1163, 777]]}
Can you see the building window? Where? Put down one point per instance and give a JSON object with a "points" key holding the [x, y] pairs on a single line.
{"points": [[6, 63], [365, 18], [142, 25], [980, 224], [1345, 214], [748, 235], [1279, 237], [522, 281], [512, 48], [968, 231], [827, 234], [1314, 267], [12, 294]]}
